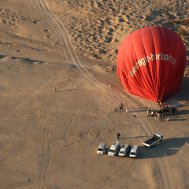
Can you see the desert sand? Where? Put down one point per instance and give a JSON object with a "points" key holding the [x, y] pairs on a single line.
{"points": [[57, 62]]}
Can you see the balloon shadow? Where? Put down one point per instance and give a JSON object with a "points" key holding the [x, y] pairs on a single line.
{"points": [[183, 94], [183, 112], [168, 147]]}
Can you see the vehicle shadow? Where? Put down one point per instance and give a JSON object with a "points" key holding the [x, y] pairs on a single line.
{"points": [[168, 147], [122, 138]]}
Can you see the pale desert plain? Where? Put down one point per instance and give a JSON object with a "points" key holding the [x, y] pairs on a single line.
{"points": [[57, 63]]}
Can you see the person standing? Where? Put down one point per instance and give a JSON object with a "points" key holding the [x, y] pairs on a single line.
{"points": [[121, 106], [118, 135], [134, 114], [161, 116]]}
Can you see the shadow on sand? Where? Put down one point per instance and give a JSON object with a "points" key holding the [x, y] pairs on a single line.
{"points": [[183, 94], [167, 148], [133, 137], [28, 60], [183, 112]]}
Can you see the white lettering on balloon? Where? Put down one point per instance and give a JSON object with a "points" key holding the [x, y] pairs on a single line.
{"points": [[153, 57]]}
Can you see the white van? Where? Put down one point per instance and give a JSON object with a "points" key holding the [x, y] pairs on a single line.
{"points": [[114, 149], [124, 150], [101, 148], [134, 151]]}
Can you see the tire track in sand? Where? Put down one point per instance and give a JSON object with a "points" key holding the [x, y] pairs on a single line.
{"points": [[164, 174], [55, 21], [46, 153], [64, 39]]}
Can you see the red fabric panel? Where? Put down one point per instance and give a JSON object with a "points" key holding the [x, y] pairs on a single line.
{"points": [[151, 63]]}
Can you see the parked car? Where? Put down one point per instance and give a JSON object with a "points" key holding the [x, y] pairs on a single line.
{"points": [[156, 139], [124, 150], [101, 148], [114, 149], [134, 151]]}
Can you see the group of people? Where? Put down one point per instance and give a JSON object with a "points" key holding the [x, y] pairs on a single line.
{"points": [[121, 107]]}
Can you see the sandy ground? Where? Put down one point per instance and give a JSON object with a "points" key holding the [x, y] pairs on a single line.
{"points": [[57, 62]]}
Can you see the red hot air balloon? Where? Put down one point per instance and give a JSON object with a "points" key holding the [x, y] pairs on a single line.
{"points": [[151, 63]]}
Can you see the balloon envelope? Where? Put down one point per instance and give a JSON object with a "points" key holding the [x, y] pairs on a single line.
{"points": [[151, 63]]}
